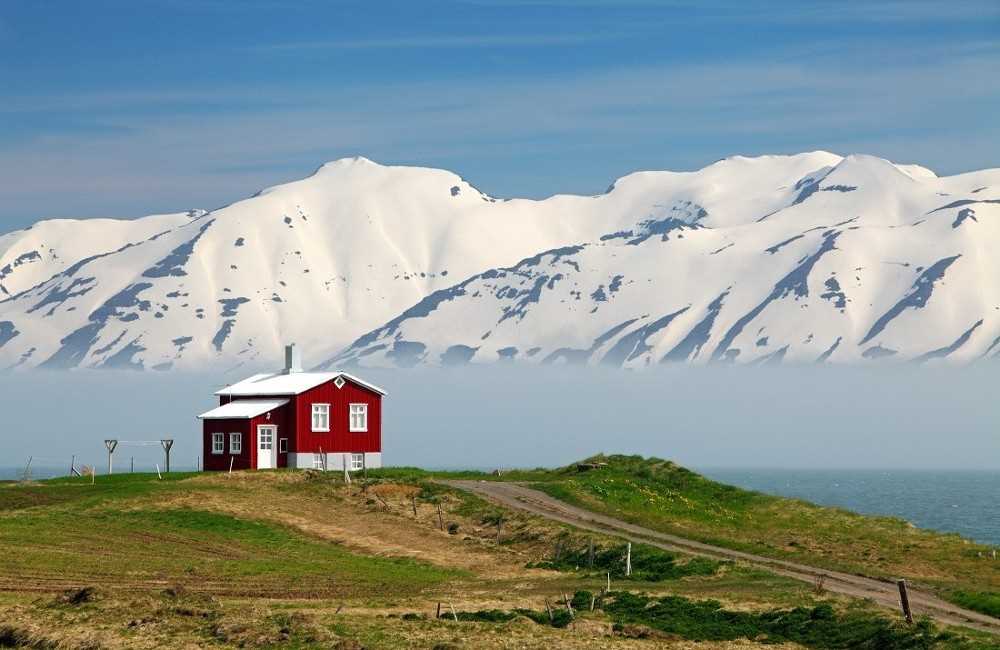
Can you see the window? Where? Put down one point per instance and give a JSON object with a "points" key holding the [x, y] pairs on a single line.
{"points": [[218, 443], [359, 417], [283, 445], [339, 382], [265, 437], [357, 461], [318, 461], [235, 443], [320, 417]]}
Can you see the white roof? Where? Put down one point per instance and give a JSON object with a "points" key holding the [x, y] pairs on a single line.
{"points": [[279, 383], [243, 409]]}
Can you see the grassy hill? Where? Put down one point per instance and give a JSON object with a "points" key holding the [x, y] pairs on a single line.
{"points": [[298, 559], [662, 495]]}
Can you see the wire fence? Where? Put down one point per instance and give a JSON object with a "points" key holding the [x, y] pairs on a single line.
{"points": [[145, 456]]}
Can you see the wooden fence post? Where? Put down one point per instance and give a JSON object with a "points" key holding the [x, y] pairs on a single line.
{"points": [[904, 601], [590, 554], [440, 516], [569, 605], [628, 560]]}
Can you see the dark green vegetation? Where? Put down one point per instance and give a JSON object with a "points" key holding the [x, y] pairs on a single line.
{"points": [[813, 627], [979, 601], [819, 626], [649, 564]]}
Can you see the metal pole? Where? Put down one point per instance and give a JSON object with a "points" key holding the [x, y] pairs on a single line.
{"points": [[110, 444], [167, 443]]}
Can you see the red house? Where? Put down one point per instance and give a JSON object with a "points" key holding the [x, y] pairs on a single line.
{"points": [[318, 420]]}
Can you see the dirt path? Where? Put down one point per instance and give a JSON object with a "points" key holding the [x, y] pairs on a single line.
{"points": [[884, 593]]}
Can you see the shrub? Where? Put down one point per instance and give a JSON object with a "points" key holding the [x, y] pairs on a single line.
{"points": [[980, 601], [649, 563]]}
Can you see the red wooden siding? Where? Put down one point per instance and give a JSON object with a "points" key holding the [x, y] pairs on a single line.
{"points": [[340, 438], [279, 417], [247, 459], [243, 460]]}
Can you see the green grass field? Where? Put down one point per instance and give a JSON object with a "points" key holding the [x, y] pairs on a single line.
{"points": [[271, 558], [67, 528]]}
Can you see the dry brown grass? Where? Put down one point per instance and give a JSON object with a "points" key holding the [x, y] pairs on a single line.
{"points": [[189, 611]]}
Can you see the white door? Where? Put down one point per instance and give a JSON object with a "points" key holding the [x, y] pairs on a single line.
{"points": [[266, 435]]}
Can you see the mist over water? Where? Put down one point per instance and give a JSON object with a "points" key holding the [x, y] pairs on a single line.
{"points": [[506, 415]]}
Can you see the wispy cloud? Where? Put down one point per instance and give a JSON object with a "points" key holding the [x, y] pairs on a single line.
{"points": [[928, 105], [446, 41], [785, 11]]}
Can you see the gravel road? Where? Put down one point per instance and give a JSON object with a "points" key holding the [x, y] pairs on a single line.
{"points": [[885, 593]]}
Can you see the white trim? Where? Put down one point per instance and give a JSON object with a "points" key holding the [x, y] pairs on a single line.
{"points": [[363, 427], [362, 382], [357, 462], [279, 383], [218, 443], [334, 460], [243, 409], [238, 439], [314, 413], [267, 446]]}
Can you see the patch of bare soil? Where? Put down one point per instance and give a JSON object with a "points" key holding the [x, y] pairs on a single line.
{"points": [[379, 521]]}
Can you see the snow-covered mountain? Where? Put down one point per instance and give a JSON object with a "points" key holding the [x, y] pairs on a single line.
{"points": [[812, 257]]}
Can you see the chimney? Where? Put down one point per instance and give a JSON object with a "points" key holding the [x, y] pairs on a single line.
{"points": [[293, 359]]}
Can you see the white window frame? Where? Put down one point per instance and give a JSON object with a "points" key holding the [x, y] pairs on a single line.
{"points": [[282, 445], [235, 443], [218, 443], [357, 462], [318, 411], [361, 410]]}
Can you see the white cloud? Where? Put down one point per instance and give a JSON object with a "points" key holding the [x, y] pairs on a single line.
{"points": [[925, 106], [445, 41]]}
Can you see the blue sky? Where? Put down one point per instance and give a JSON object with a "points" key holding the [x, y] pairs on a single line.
{"points": [[114, 108]]}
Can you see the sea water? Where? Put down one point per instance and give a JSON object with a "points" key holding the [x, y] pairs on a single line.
{"points": [[964, 502]]}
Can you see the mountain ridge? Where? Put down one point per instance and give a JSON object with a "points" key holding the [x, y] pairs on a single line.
{"points": [[755, 260]]}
